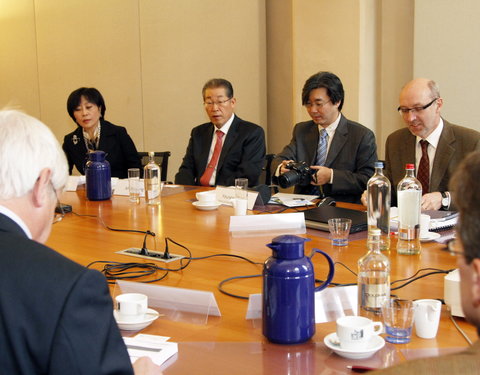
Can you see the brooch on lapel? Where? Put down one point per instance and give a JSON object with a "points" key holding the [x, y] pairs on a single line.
{"points": [[75, 139]]}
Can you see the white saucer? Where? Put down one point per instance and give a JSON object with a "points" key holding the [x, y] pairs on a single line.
{"points": [[430, 237], [206, 206], [374, 345], [136, 325]]}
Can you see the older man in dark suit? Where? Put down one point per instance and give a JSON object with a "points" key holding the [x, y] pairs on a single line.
{"points": [[56, 316], [431, 143], [225, 148], [340, 152]]}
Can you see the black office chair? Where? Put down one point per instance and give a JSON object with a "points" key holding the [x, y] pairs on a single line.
{"points": [[266, 176], [266, 170], [161, 158]]}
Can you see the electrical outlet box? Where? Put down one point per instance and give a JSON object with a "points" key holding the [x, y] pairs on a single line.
{"points": [[152, 255]]}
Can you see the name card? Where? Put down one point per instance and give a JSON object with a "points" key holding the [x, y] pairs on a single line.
{"points": [[260, 225], [226, 194], [330, 304]]}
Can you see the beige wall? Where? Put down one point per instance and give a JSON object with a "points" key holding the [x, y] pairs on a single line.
{"points": [[447, 50], [19, 85], [367, 43], [150, 58]]}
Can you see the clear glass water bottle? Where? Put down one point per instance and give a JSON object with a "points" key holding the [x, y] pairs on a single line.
{"points": [[151, 175], [378, 205], [409, 199], [373, 278]]}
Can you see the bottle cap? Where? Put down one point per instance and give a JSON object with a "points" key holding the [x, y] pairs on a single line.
{"points": [[410, 166], [378, 164]]}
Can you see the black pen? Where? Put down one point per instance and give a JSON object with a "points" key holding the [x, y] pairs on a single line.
{"points": [[360, 369]]}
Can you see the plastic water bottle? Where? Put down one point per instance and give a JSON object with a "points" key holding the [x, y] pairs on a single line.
{"points": [[378, 205], [409, 193], [373, 278], [98, 177], [151, 175]]}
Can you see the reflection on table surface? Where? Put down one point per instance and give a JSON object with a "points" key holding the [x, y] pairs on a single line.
{"points": [[230, 343]]}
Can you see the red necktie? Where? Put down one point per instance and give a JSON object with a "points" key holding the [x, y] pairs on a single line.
{"points": [[423, 174], [207, 175]]}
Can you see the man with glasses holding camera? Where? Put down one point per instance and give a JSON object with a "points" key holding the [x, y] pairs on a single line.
{"points": [[432, 143], [225, 148], [338, 155]]}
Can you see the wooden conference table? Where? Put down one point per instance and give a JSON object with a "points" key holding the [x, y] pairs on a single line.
{"points": [[230, 343]]}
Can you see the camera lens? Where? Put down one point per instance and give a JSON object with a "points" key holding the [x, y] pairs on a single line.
{"points": [[288, 179]]}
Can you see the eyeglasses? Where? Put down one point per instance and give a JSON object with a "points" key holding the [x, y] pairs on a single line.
{"points": [[211, 103], [317, 104], [59, 213], [452, 246], [404, 111]]}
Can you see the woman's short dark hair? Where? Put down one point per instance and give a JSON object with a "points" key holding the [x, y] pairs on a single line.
{"points": [[89, 93], [465, 190], [330, 82], [218, 82]]}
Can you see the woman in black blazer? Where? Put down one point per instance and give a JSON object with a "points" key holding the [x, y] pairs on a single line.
{"points": [[86, 107]]}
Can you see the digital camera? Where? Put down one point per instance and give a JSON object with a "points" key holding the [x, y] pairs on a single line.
{"points": [[299, 174]]}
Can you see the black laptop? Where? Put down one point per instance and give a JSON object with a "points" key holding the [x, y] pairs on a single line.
{"points": [[317, 218]]}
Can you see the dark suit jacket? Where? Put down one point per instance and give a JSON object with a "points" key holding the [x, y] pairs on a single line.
{"points": [[56, 317], [352, 155], [454, 144], [114, 140], [466, 362], [242, 154]]}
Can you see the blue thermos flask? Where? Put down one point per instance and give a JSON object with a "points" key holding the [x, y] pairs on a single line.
{"points": [[289, 291], [98, 177]]}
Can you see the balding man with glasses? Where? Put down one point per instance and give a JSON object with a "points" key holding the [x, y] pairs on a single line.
{"points": [[433, 144], [225, 148]]}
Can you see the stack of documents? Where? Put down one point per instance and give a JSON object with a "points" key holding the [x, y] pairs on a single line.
{"points": [[158, 348], [292, 200], [441, 220]]}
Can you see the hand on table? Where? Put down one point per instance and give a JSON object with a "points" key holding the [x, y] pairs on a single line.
{"points": [[145, 366], [432, 201], [364, 198]]}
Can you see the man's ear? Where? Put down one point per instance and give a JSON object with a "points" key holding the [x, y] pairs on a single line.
{"points": [[475, 287], [42, 187]]}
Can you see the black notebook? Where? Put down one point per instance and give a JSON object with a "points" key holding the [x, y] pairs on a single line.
{"points": [[441, 220], [317, 218]]}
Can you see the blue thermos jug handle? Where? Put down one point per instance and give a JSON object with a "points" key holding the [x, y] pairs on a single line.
{"points": [[331, 271]]}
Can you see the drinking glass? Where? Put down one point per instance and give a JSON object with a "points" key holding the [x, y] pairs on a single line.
{"points": [[134, 184]]}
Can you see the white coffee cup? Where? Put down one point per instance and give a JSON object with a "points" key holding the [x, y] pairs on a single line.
{"points": [[240, 206], [354, 332], [131, 306], [424, 225], [207, 197], [427, 317]]}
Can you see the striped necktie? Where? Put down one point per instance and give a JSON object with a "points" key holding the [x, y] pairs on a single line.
{"points": [[322, 148], [423, 173]]}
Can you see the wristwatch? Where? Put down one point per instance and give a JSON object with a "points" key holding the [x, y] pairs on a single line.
{"points": [[445, 200]]}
